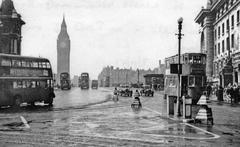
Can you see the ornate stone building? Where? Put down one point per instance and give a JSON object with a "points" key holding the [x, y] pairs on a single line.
{"points": [[63, 51], [219, 28], [10, 29]]}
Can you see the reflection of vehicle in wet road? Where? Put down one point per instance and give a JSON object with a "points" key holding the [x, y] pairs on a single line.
{"points": [[65, 81], [25, 80]]}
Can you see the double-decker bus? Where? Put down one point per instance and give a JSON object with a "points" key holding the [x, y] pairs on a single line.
{"points": [[25, 80], [193, 77], [65, 81], [84, 81], [94, 84]]}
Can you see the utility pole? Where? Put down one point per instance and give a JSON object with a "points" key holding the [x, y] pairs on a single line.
{"points": [[138, 76], [180, 20]]}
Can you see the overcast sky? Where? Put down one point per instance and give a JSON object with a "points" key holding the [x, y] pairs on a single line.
{"points": [[122, 33]]}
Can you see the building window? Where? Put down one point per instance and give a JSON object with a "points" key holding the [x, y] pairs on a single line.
{"points": [[232, 21], [227, 25], [215, 50], [223, 46], [222, 29], [218, 48], [215, 34], [238, 16], [228, 43], [232, 40], [218, 31]]}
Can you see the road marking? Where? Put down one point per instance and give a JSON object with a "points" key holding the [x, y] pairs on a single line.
{"points": [[215, 136], [25, 122]]}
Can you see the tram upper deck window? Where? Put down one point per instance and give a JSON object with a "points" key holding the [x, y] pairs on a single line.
{"points": [[197, 59], [167, 64], [185, 59], [203, 59]]}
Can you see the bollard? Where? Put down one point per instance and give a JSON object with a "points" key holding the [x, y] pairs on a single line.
{"points": [[204, 113], [170, 105], [187, 107]]}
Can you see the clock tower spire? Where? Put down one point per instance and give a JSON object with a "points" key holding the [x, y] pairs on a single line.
{"points": [[63, 51]]}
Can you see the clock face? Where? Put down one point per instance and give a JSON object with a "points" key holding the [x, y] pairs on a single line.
{"points": [[63, 44]]}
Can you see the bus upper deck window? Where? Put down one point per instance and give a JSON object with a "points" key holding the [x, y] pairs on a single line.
{"points": [[44, 65], [33, 84], [35, 64], [15, 85], [6, 62], [16, 63], [27, 64], [39, 64], [48, 65], [24, 64]]}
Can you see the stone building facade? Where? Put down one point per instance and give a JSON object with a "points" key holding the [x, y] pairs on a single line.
{"points": [[10, 29], [111, 76], [219, 29], [63, 51]]}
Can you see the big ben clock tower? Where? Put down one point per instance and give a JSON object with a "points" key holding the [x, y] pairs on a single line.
{"points": [[63, 51]]}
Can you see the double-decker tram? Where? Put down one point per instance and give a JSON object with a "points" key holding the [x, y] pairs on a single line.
{"points": [[65, 81], [193, 77], [84, 81], [25, 80]]}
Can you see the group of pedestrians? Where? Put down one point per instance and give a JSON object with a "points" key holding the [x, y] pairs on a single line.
{"points": [[231, 92]]}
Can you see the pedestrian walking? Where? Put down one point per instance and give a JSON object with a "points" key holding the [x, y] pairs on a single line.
{"points": [[115, 95], [235, 93], [208, 89], [230, 92], [219, 93], [136, 105]]}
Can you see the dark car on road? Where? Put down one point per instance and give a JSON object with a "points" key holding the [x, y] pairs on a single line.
{"points": [[147, 91], [125, 91]]}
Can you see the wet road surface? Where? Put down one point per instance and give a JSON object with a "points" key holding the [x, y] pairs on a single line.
{"points": [[91, 118]]}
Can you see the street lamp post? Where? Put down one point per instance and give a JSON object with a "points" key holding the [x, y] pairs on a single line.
{"points": [[180, 20]]}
